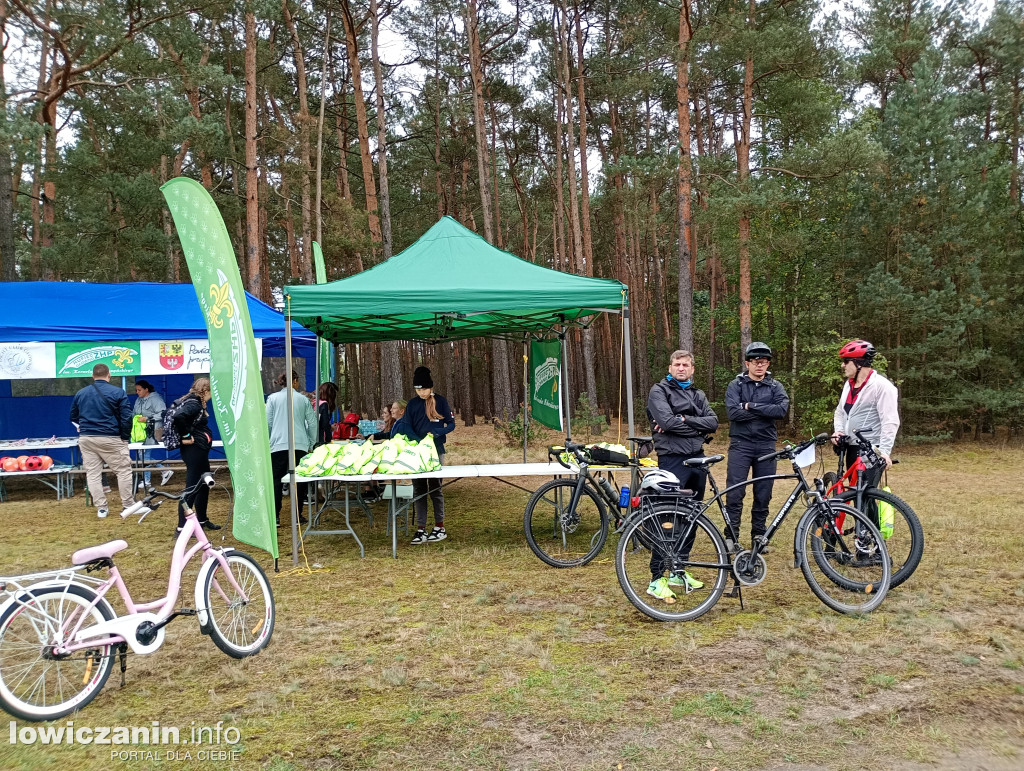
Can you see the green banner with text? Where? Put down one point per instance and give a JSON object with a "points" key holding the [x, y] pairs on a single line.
{"points": [[234, 367], [78, 359], [323, 347], [545, 379]]}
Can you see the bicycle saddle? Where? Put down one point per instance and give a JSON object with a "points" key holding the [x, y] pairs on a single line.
{"points": [[703, 461], [103, 551]]}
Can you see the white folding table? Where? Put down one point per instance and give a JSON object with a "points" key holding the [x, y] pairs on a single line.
{"points": [[500, 471]]}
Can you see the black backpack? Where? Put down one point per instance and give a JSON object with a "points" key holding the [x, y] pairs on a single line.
{"points": [[172, 440]]}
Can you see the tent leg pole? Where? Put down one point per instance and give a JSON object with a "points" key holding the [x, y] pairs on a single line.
{"points": [[526, 396], [629, 370], [565, 387], [293, 494]]}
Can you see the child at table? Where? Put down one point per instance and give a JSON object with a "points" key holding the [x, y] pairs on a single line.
{"points": [[427, 413]]}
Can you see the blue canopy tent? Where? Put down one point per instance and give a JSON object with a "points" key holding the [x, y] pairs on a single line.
{"points": [[55, 312]]}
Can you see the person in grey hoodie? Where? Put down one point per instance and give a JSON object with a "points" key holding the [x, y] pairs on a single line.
{"points": [[305, 421], [754, 400]]}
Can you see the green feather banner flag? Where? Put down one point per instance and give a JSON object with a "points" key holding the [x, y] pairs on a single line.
{"points": [[323, 348], [234, 366]]}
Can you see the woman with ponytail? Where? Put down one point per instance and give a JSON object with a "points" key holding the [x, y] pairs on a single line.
{"points": [[192, 426], [427, 413]]}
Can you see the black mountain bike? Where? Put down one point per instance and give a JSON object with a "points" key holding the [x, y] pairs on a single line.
{"points": [[839, 549], [904, 536], [566, 521]]}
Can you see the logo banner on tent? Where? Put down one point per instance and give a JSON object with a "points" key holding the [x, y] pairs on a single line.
{"points": [[234, 371], [178, 357], [21, 361], [545, 382], [323, 348], [77, 359]]}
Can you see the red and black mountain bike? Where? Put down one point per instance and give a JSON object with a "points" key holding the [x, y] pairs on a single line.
{"points": [[905, 540]]}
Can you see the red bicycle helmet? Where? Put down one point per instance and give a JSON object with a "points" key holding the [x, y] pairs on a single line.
{"points": [[858, 349]]}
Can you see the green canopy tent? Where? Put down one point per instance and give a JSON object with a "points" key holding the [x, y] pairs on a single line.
{"points": [[451, 284]]}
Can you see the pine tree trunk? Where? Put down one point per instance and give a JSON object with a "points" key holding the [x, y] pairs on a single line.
{"points": [[465, 383], [743, 167], [341, 130], [362, 124], [687, 259], [305, 272], [476, 71], [8, 259], [499, 356], [252, 210], [1015, 145]]}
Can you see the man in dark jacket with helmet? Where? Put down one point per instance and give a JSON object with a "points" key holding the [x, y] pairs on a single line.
{"points": [[754, 401]]}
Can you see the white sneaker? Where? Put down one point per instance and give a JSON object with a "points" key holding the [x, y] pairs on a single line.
{"points": [[166, 476], [141, 485], [101, 513]]}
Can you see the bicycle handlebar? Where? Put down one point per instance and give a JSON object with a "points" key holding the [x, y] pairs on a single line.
{"points": [[570, 447], [792, 450], [206, 479]]}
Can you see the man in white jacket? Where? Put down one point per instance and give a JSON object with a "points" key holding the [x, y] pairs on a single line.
{"points": [[868, 404]]}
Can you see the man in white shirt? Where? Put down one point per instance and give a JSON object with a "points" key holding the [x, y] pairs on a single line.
{"points": [[868, 403]]}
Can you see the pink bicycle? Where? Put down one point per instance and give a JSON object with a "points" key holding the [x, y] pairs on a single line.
{"points": [[59, 633]]}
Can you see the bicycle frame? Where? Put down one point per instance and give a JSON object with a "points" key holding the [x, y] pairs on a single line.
{"points": [[123, 629], [803, 487], [850, 478]]}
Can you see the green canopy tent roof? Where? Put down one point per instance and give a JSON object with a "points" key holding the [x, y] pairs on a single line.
{"points": [[449, 285]]}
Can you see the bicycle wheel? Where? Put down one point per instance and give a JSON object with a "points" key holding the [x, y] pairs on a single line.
{"points": [[35, 684], [906, 544], [560, 536], [239, 623], [672, 541], [843, 557]]}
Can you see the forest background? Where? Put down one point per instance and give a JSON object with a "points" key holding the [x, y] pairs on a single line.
{"points": [[779, 170]]}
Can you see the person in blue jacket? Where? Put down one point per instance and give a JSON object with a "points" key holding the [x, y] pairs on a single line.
{"points": [[754, 400], [427, 413]]}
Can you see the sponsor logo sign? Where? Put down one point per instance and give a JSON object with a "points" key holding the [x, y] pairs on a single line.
{"points": [[77, 359], [21, 361], [181, 357], [172, 355]]}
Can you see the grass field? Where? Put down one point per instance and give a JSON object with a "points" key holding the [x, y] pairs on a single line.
{"points": [[472, 654]]}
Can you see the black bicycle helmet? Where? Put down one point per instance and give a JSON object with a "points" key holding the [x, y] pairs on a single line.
{"points": [[758, 351]]}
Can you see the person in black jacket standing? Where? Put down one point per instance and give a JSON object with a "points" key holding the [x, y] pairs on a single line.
{"points": [[103, 417], [753, 401], [427, 413], [681, 419], [192, 426]]}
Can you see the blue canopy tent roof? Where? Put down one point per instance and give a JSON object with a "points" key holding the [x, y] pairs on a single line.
{"points": [[56, 311], [52, 311]]}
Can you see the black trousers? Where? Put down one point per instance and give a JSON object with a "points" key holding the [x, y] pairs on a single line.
{"points": [[197, 463], [279, 467], [695, 479], [429, 488], [742, 460]]}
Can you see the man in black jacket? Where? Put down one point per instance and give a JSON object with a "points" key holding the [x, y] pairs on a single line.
{"points": [[681, 419], [103, 417], [754, 401]]}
